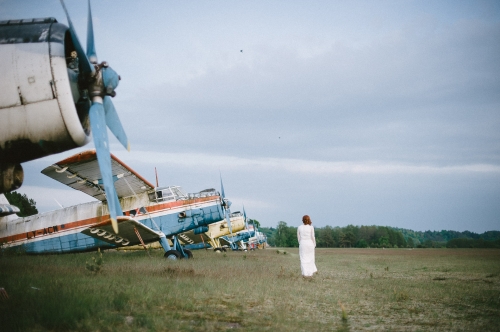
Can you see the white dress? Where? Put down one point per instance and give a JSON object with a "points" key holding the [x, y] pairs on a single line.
{"points": [[307, 243]]}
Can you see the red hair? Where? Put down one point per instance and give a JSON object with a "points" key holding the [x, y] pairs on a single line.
{"points": [[306, 220]]}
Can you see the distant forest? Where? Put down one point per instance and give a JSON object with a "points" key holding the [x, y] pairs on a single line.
{"points": [[381, 237], [344, 237]]}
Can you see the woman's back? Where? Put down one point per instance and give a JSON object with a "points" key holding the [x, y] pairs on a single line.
{"points": [[306, 233], [307, 243]]}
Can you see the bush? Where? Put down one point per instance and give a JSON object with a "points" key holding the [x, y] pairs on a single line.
{"points": [[95, 263], [361, 244], [472, 243]]}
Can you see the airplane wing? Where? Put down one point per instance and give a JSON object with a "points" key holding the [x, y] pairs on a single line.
{"points": [[5, 208], [81, 172], [129, 230]]}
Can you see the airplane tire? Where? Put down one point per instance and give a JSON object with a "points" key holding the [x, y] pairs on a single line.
{"points": [[218, 250], [188, 253], [173, 255]]}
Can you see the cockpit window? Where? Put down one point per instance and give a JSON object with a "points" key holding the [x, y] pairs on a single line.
{"points": [[236, 214], [167, 194], [179, 192]]}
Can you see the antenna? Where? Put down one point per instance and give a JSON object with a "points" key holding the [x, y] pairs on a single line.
{"points": [[156, 173]]}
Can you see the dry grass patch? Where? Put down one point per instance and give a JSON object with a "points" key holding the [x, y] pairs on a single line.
{"points": [[355, 289]]}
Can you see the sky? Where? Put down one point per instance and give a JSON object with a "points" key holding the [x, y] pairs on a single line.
{"points": [[353, 112]]}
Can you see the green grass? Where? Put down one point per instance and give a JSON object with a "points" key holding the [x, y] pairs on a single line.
{"points": [[355, 289]]}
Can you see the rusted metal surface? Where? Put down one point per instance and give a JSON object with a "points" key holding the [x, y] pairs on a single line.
{"points": [[37, 109], [11, 176]]}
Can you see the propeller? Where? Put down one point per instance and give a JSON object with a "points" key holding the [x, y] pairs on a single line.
{"points": [[245, 216], [226, 204], [255, 229], [100, 81], [246, 223]]}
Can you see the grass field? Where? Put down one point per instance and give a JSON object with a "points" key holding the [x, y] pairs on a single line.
{"points": [[355, 289]]}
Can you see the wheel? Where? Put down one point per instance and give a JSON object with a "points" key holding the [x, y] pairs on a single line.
{"points": [[188, 253], [218, 250], [173, 255]]}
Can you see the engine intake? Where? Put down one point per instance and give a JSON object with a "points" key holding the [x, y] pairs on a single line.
{"points": [[11, 177]]}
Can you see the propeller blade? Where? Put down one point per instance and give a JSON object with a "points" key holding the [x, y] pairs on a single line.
{"points": [[245, 216], [100, 136], [222, 188], [113, 122], [110, 79], [83, 61], [117, 206], [91, 53], [226, 204], [228, 219]]}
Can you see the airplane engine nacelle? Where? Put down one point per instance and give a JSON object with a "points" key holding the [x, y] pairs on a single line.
{"points": [[11, 177], [41, 109]]}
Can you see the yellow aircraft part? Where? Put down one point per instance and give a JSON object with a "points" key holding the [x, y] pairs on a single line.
{"points": [[152, 245], [215, 243], [215, 231], [220, 228]]}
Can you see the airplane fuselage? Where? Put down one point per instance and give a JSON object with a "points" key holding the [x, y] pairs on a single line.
{"points": [[60, 231]]}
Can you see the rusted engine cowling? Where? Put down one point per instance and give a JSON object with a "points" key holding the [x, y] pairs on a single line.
{"points": [[41, 111], [11, 177]]}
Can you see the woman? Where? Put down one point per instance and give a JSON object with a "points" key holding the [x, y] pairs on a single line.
{"points": [[307, 243]]}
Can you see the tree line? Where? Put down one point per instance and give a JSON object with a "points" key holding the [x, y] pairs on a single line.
{"points": [[27, 206], [343, 237], [381, 237]]}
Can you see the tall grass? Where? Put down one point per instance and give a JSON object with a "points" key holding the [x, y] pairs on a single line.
{"points": [[254, 291]]}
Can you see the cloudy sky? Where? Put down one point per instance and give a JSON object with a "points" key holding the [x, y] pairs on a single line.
{"points": [[354, 112]]}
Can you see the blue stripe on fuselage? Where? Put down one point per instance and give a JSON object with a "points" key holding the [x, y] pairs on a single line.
{"points": [[76, 242], [170, 224]]}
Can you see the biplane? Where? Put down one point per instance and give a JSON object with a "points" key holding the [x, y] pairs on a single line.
{"points": [[219, 237], [212, 237], [248, 239], [151, 214], [258, 240]]}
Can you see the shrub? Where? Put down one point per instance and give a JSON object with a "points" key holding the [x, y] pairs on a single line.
{"points": [[95, 263]]}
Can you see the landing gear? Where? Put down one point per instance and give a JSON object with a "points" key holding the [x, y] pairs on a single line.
{"points": [[219, 250], [173, 255], [188, 253]]}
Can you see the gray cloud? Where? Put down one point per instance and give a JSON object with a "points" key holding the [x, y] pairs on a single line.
{"points": [[358, 112]]}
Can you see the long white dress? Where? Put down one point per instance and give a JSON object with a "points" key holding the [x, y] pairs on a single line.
{"points": [[307, 243]]}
